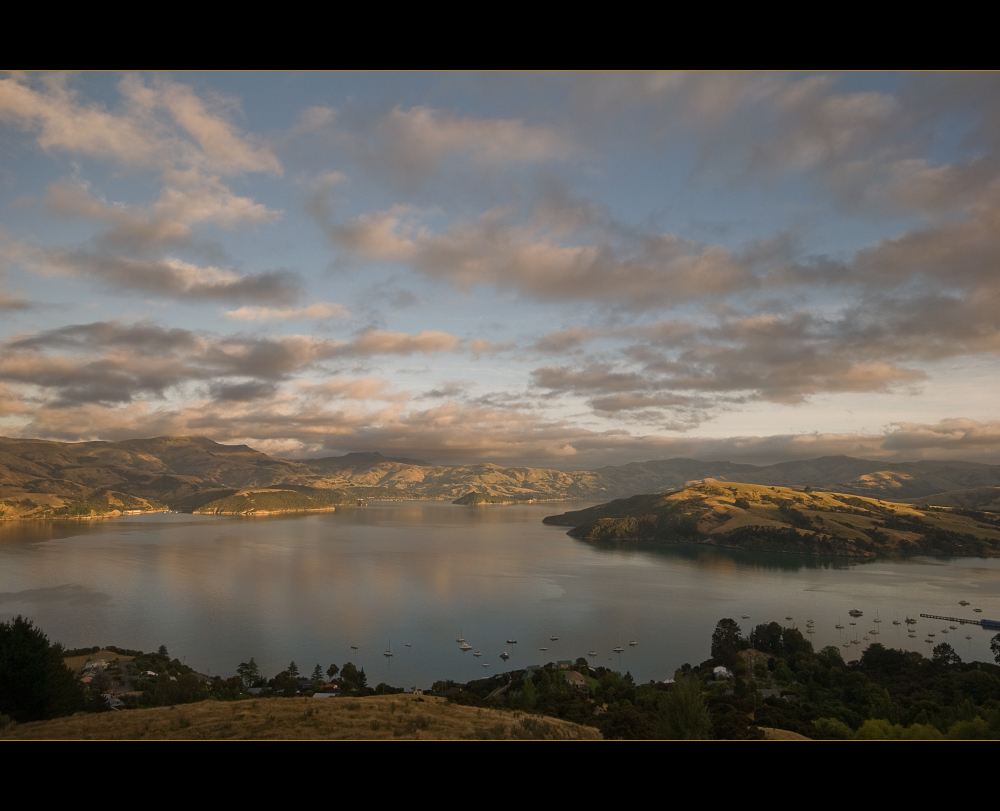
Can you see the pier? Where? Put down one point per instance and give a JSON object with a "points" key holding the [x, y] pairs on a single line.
{"points": [[984, 623]]}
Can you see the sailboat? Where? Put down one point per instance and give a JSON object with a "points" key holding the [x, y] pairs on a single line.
{"points": [[388, 652]]}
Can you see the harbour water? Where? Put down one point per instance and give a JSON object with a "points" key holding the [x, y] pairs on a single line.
{"points": [[217, 590]]}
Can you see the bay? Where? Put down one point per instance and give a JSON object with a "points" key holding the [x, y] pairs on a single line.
{"points": [[217, 590]]}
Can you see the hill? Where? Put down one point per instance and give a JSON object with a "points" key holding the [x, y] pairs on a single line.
{"points": [[43, 479], [371, 718], [781, 519]]}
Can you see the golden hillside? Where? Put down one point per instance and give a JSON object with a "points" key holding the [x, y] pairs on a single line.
{"points": [[397, 717]]}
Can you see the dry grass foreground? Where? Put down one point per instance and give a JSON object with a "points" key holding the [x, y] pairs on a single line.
{"points": [[397, 717]]}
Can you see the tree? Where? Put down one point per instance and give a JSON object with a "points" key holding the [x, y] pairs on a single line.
{"points": [[248, 672], [293, 670], [34, 683], [767, 638], [317, 674], [332, 671], [727, 642], [162, 651], [945, 653], [687, 716], [995, 647]]}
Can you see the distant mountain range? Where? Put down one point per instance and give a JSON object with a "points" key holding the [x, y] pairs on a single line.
{"points": [[40, 478]]}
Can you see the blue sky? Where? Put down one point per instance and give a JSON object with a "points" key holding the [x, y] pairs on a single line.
{"points": [[561, 270]]}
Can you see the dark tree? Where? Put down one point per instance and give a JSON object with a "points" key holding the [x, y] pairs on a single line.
{"points": [[946, 653], [332, 671], [249, 672], [727, 642], [995, 647], [34, 682]]}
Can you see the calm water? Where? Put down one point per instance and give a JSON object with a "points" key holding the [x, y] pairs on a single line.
{"points": [[217, 590]]}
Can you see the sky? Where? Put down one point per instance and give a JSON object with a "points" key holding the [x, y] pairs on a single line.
{"points": [[559, 270]]}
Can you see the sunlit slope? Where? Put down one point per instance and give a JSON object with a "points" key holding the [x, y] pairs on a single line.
{"points": [[782, 519], [39, 478], [395, 717], [259, 502]]}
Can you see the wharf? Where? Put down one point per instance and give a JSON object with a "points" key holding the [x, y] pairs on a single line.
{"points": [[984, 622]]}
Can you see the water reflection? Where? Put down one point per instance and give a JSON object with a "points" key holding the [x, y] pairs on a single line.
{"points": [[220, 589], [718, 556]]}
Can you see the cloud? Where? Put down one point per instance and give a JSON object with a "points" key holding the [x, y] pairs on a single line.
{"points": [[653, 271], [413, 144], [8, 302], [172, 277], [242, 392], [382, 342], [159, 125], [320, 309], [484, 346], [366, 388], [111, 362], [565, 340]]}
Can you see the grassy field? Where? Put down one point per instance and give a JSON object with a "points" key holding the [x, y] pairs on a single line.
{"points": [[398, 717]]}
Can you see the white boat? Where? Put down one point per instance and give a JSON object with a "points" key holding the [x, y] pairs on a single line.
{"points": [[505, 656], [388, 652], [554, 638], [477, 653], [511, 641], [465, 646], [744, 616], [543, 649], [409, 644], [461, 638], [592, 654], [619, 649]]}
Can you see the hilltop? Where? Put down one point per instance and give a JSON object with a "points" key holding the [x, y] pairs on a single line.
{"points": [[781, 519], [371, 718], [46, 479]]}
